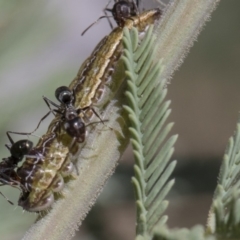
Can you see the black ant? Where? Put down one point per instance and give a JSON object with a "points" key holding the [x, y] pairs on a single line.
{"points": [[8, 175], [121, 11], [72, 122]]}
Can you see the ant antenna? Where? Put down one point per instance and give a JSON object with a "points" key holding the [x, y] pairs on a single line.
{"points": [[105, 16], [96, 22]]}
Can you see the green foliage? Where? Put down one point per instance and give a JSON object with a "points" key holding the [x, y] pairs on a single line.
{"points": [[225, 214], [148, 113], [196, 233]]}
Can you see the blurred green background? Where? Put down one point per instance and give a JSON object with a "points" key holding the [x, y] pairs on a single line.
{"points": [[41, 48]]}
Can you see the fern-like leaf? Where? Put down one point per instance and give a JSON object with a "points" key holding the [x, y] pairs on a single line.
{"points": [[196, 233], [148, 113], [224, 217]]}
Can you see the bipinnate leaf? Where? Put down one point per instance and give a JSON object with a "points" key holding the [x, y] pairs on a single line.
{"points": [[148, 113], [224, 217], [195, 233]]}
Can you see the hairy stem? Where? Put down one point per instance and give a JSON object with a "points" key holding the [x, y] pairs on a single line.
{"points": [[179, 28]]}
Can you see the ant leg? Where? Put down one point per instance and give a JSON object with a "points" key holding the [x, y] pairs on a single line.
{"points": [[102, 121], [5, 178], [76, 167], [10, 139], [11, 182], [18, 186], [137, 3], [136, 6], [105, 10], [59, 127], [48, 102], [161, 3], [83, 109], [97, 115], [8, 146], [30, 133], [74, 161], [6, 198], [4, 181]]}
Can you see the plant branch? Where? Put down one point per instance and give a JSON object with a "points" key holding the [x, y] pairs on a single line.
{"points": [[178, 29]]}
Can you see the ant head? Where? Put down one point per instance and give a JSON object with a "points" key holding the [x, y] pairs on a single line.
{"points": [[123, 10], [21, 148], [64, 95]]}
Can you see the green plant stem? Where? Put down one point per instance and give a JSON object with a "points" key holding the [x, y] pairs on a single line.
{"points": [[178, 29], [80, 194]]}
